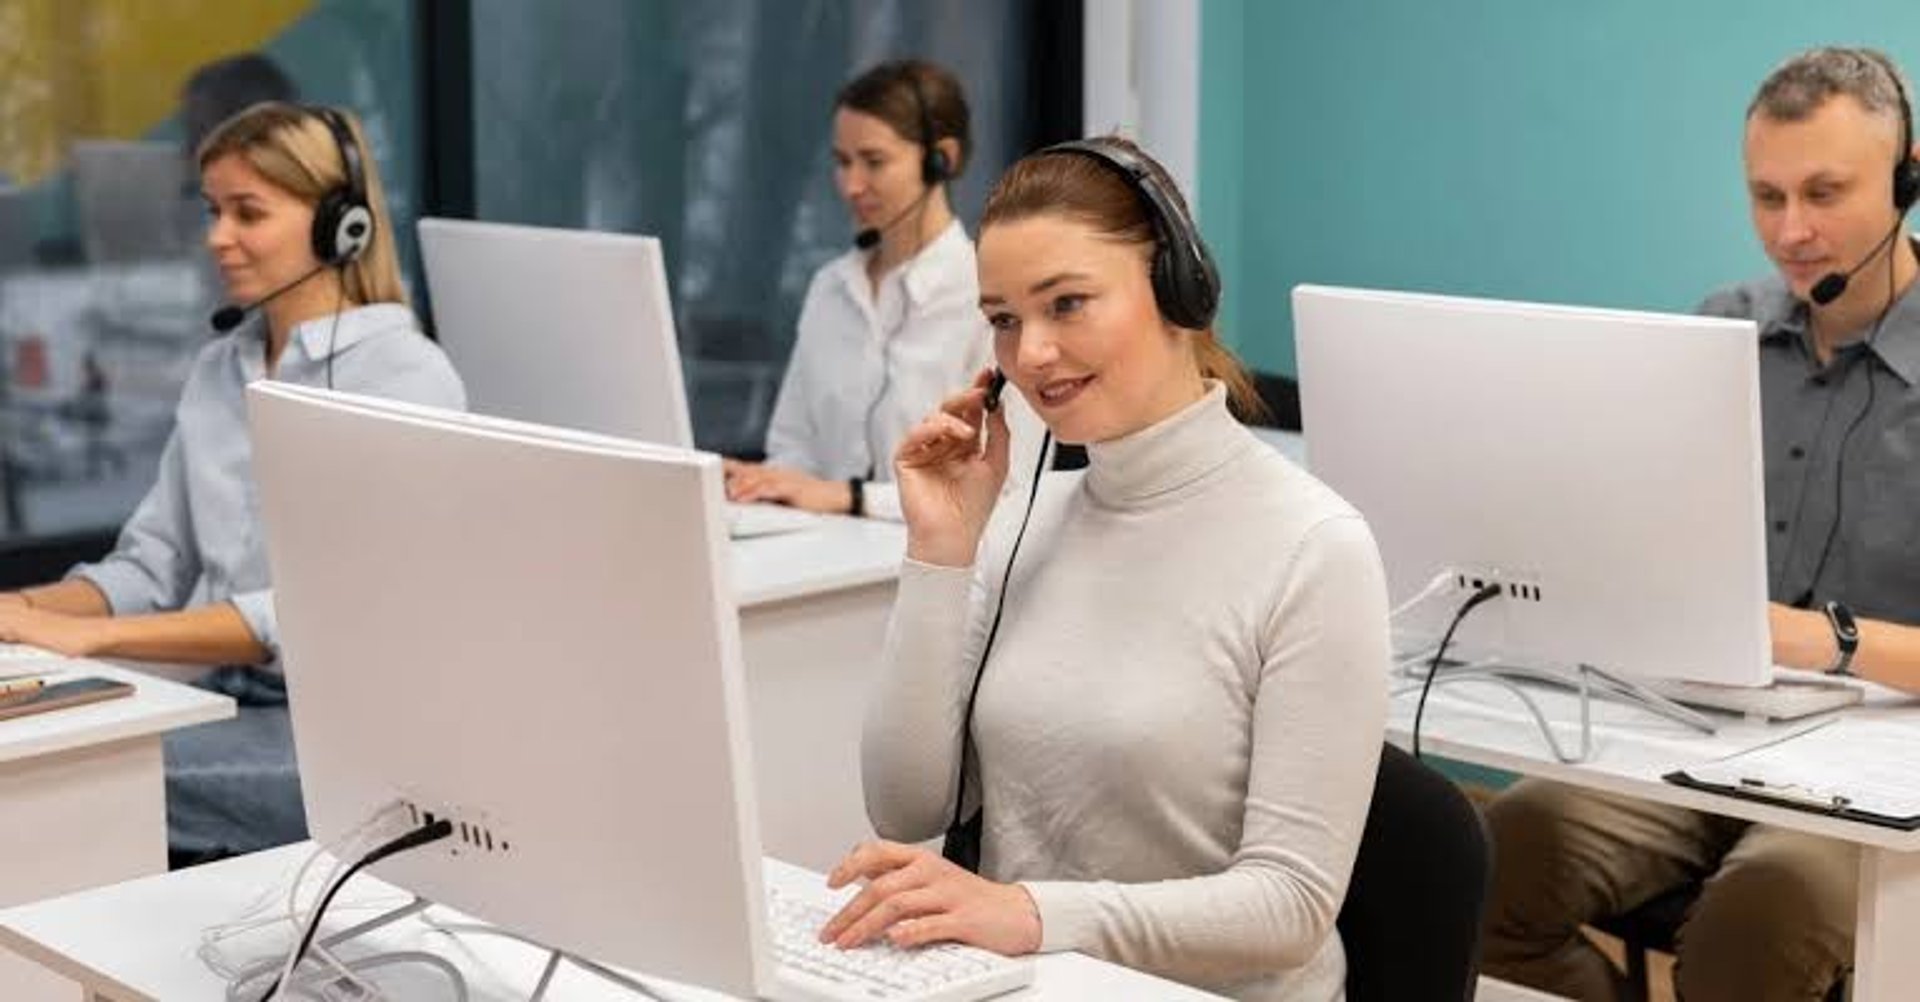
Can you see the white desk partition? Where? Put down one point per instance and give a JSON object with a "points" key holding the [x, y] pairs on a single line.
{"points": [[85, 799], [813, 614]]}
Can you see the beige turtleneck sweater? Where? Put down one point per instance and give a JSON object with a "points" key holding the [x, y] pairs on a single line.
{"points": [[1181, 719]]}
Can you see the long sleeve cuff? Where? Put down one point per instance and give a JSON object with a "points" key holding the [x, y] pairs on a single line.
{"points": [[1068, 915], [128, 589], [256, 607]]}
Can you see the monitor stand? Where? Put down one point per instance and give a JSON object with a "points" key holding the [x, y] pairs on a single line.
{"points": [[1589, 681], [419, 905]]}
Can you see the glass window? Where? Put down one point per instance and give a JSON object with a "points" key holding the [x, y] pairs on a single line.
{"points": [[104, 289], [709, 126]]}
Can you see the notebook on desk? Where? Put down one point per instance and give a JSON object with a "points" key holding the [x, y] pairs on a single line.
{"points": [[1860, 770]]}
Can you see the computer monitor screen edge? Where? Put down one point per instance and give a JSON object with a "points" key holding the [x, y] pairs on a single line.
{"points": [[566, 327], [544, 646], [1607, 461]]}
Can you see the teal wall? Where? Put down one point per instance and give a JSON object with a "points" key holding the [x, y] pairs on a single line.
{"points": [[1578, 152]]}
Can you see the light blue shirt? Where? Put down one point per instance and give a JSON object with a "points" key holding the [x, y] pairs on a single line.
{"points": [[196, 538]]}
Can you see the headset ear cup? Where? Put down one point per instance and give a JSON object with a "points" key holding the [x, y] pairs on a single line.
{"points": [[1906, 185], [342, 228], [354, 234], [326, 225], [936, 168], [1181, 300]]}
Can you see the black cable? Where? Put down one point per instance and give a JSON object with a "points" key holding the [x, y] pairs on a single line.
{"points": [[1487, 591], [425, 834], [339, 304], [1840, 457], [993, 630]]}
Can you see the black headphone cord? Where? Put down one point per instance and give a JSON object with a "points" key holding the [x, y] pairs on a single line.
{"points": [[993, 630], [1840, 457]]}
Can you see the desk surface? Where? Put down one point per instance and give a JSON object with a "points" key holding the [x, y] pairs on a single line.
{"points": [[156, 705], [838, 554], [136, 941], [1478, 723]]}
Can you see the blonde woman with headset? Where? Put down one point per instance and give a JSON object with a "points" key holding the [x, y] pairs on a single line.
{"points": [[299, 230]]}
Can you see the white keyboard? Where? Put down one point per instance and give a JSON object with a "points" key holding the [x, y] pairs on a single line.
{"points": [[745, 521], [947, 972]]}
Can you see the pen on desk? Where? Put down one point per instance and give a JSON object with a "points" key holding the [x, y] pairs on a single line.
{"points": [[21, 686], [1788, 791]]}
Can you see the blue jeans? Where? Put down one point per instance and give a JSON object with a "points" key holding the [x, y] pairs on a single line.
{"points": [[232, 785]]}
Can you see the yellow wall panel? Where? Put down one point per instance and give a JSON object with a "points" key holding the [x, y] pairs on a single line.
{"points": [[111, 68]]}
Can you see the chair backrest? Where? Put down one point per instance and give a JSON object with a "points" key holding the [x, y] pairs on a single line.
{"points": [[1411, 920]]}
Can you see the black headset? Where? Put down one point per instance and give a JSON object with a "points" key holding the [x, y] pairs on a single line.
{"points": [[342, 221], [1186, 285], [935, 168], [1906, 173]]}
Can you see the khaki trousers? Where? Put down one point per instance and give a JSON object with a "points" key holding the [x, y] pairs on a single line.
{"points": [[1774, 920]]}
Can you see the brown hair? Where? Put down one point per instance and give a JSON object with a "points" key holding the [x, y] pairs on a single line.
{"points": [[1088, 191], [887, 92], [296, 152]]}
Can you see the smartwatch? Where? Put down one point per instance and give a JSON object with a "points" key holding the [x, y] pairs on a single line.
{"points": [[857, 488], [1846, 637]]}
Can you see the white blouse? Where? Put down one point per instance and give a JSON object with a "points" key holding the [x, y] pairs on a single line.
{"points": [[866, 368]]}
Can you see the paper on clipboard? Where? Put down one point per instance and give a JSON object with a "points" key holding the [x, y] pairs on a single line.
{"points": [[1862, 767]]}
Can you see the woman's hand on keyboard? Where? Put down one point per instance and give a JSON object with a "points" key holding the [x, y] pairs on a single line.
{"points": [[914, 897], [758, 482]]}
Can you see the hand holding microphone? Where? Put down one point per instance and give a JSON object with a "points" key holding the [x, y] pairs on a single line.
{"points": [[949, 477]]}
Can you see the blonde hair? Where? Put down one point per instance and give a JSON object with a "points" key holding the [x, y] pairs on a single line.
{"points": [[1059, 183], [295, 151]]}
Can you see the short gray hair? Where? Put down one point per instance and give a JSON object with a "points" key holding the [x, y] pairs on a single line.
{"points": [[1802, 85]]}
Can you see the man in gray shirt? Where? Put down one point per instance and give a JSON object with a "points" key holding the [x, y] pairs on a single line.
{"points": [[1831, 170]]}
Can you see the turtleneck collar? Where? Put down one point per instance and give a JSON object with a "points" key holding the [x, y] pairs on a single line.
{"points": [[1162, 458]]}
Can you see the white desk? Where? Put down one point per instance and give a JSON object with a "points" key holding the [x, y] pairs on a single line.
{"points": [[813, 615], [1478, 724], [85, 797], [135, 942]]}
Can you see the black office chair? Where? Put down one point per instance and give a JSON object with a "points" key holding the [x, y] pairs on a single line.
{"points": [[1411, 921], [1655, 925], [1281, 394]]}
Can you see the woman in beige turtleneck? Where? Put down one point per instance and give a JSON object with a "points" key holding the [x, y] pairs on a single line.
{"points": [[1177, 727]]}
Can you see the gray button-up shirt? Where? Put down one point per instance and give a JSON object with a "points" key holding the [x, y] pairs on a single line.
{"points": [[195, 539], [1871, 502]]}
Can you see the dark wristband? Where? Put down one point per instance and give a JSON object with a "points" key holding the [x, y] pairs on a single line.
{"points": [[858, 488]]}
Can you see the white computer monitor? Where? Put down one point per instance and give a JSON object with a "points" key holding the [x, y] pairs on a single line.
{"points": [[530, 632], [1605, 463], [564, 327]]}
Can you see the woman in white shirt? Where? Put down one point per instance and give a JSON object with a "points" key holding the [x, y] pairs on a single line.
{"points": [[891, 327], [299, 231], [1169, 728]]}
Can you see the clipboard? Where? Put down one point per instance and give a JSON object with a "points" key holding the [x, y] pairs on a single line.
{"points": [[1834, 805], [1864, 770]]}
